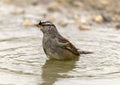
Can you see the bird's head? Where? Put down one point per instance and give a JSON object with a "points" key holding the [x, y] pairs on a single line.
{"points": [[46, 26]]}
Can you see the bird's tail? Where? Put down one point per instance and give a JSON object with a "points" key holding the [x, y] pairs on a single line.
{"points": [[85, 52]]}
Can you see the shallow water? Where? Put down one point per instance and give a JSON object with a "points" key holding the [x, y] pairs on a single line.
{"points": [[23, 62]]}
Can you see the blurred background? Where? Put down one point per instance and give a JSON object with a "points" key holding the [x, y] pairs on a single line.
{"points": [[92, 25]]}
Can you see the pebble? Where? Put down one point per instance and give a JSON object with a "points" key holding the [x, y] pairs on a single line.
{"points": [[27, 23], [98, 19], [63, 24], [84, 27], [118, 27], [53, 6], [102, 18]]}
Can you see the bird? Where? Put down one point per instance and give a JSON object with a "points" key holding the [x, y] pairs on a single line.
{"points": [[55, 45]]}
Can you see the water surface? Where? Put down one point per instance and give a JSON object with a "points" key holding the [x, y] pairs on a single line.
{"points": [[23, 61]]}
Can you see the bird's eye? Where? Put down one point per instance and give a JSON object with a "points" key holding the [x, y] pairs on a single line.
{"points": [[40, 22]]}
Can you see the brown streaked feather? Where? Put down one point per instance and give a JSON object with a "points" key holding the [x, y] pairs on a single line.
{"points": [[68, 45]]}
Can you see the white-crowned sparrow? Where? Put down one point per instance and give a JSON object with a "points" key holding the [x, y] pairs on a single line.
{"points": [[55, 46]]}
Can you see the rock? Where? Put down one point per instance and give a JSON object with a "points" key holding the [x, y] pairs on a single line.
{"points": [[114, 18], [118, 27], [78, 4], [27, 23], [104, 2], [35, 3], [53, 6], [102, 18], [7, 1], [84, 27], [18, 11], [52, 19], [63, 24], [106, 18], [78, 20], [81, 21], [98, 19], [75, 16]]}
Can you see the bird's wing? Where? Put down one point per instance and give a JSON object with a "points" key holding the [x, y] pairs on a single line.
{"points": [[64, 43]]}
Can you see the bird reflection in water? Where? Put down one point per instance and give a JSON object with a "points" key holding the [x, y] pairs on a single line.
{"points": [[53, 68]]}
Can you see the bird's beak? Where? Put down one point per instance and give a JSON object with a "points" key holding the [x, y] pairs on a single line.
{"points": [[37, 25]]}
